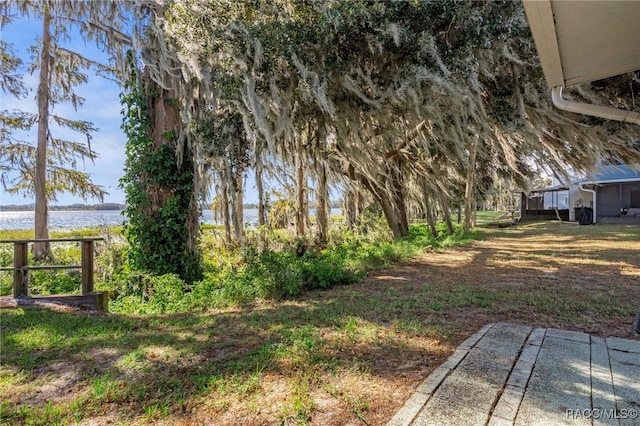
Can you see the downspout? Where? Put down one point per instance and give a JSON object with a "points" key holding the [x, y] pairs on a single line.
{"points": [[593, 110], [595, 203]]}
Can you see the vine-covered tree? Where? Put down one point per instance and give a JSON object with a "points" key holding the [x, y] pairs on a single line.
{"points": [[159, 190]]}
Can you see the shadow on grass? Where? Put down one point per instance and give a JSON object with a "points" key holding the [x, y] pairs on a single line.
{"points": [[387, 331], [174, 361]]}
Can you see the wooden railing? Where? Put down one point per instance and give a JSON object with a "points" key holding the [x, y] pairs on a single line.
{"points": [[21, 270]]}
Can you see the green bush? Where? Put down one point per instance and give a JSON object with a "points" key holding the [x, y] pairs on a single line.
{"points": [[327, 269], [109, 262], [207, 293], [6, 283], [240, 275], [141, 292], [6, 254], [238, 287], [278, 274], [54, 282]]}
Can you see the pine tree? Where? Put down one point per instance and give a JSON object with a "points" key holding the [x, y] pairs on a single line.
{"points": [[49, 166]]}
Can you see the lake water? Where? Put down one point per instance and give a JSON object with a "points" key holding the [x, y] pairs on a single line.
{"points": [[73, 219]]}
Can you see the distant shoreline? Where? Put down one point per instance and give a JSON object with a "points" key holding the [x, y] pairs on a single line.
{"points": [[103, 206], [72, 207]]}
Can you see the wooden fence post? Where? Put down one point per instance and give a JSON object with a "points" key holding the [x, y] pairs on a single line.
{"points": [[20, 275], [87, 266]]}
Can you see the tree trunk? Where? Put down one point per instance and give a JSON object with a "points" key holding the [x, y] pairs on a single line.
{"points": [[469, 192], [307, 203], [393, 206], [166, 122], [400, 207], [301, 199], [350, 209], [447, 215], [43, 250], [239, 192], [262, 214], [322, 190], [359, 204], [428, 210], [167, 211], [322, 203], [224, 202], [233, 203], [391, 199], [431, 220], [394, 217], [353, 210]]}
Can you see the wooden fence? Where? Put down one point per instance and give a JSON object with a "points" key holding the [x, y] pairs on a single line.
{"points": [[21, 268]]}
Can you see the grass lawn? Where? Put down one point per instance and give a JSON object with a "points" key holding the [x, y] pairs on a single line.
{"points": [[350, 354]]}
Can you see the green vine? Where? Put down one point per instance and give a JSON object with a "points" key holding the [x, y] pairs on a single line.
{"points": [[158, 194]]}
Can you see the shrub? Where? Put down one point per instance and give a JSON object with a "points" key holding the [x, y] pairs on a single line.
{"points": [[277, 275], [207, 293], [145, 293], [238, 286], [54, 282], [6, 277], [239, 275], [6, 283], [328, 269]]}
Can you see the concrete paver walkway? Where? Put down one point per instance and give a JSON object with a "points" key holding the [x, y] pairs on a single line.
{"points": [[509, 374]]}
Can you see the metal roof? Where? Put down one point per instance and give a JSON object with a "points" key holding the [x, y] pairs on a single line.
{"points": [[614, 173]]}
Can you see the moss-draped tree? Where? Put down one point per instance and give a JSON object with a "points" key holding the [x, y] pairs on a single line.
{"points": [[431, 92]]}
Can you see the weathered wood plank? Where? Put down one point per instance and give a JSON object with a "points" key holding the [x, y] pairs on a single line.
{"points": [[44, 267], [98, 300], [53, 240], [87, 266]]}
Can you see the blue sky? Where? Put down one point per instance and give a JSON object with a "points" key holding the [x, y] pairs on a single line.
{"points": [[102, 108]]}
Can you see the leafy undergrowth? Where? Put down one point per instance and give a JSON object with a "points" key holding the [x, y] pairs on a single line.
{"points": [[346, 354], [269, 265], [243, 275]]}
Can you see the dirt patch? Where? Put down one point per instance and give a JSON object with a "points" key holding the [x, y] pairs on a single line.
{"points": [[57, 383]]}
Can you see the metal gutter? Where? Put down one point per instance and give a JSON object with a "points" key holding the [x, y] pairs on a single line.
{"points": [[595, 201], [593, 110]]}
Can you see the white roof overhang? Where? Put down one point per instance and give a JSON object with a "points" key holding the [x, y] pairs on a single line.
{"points": [[556, 188], [583, 41]]}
